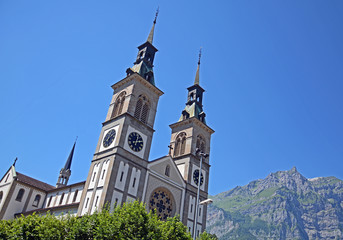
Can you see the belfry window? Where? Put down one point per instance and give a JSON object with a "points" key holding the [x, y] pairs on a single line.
{"points": [[180, 144], [118, 105], [142, 109], [200, 143], [20, 195], [36, 201]]}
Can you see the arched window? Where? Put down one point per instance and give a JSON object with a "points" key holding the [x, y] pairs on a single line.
{"points": [[142, 109], [36, 201], [20, 195], [118, 104], [200, 143], [180, 144], [1, 195], [167, 171], [61, 199], [75, 195]]}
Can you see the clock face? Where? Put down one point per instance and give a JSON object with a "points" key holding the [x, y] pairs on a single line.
{"points": [[196, 177], [135, 141], [109, 138]]}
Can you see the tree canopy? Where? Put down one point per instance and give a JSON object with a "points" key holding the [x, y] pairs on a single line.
{"points": [[130, 221]]}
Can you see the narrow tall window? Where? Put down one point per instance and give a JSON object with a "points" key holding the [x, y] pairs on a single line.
{"points": [[86, 202], [167, 171], [180, 144], [183, 145], [75, 195], [118, 105], [20, 195], [142, 109], [61, 199], [134, 182], [96, 201], [103, 174], [36, 201], [1, 195], [121, 176], [49, 201], [93, 177]]}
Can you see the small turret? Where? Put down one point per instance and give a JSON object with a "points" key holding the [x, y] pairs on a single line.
{"points": [[145, 58], [65, 171], [194, 99]]}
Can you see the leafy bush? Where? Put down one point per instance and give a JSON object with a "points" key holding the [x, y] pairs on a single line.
{"points": [[131, 221]]}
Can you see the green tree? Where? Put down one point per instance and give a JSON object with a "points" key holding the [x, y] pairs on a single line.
{"points": [[131, 221], [207, 236]]}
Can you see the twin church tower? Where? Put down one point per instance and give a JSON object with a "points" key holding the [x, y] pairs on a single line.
{"points": [[120, 170]]}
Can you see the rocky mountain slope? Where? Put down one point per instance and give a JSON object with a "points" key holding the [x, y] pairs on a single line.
{"points": [[284, 205]]}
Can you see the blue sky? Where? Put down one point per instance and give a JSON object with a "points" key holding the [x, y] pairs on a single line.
{"points": [[272, 71]]}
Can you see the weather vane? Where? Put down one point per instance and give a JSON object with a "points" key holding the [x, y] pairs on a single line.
{"points": [[158, 9], [199, 55]]}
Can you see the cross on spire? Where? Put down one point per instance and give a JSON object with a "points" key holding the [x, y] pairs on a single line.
{"points": [[196, 80], [151, 34]]}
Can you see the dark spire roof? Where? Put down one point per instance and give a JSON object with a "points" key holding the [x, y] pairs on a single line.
{"points": [[151, 34], [70, 158]]}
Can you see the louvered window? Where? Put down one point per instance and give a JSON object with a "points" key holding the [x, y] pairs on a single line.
{"points": [[200, 143], [142, 109]]}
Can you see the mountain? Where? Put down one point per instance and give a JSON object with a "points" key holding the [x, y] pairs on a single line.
{"points": [[284, 205]]}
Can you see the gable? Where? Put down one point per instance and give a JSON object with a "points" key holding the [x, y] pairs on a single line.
{"points": [[159, 166], [8, 177]]}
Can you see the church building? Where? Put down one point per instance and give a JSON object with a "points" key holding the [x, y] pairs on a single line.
{"points": [[120, 170]]}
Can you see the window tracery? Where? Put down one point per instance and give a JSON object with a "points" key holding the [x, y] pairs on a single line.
{"points": [[161, 203], [118, 104], [180, 144]]}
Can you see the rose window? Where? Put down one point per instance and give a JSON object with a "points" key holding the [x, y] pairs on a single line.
{"points": [[161, 203]]}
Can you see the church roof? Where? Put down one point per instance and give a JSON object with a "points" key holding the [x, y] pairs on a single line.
{"points": [[34, 182]]}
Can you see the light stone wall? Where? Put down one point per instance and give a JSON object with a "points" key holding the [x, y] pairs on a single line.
{"points": [[33, 195], [16, 206]]}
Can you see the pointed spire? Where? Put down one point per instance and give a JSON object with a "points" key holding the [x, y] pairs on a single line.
{"points": [[15, 160], [70, 158], [151, 34], [196, 80]]}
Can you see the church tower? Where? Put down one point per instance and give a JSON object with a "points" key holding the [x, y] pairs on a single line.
{"points": [[191, 135], [119, 165]]}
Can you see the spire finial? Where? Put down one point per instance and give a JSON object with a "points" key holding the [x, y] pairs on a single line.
{"points": [[196, 80], [199, 55], [158, 9], [15, 160], [151, 34]]}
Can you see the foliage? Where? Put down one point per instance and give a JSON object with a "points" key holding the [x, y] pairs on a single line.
{"points": [[131, 221], [207, 236]]}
